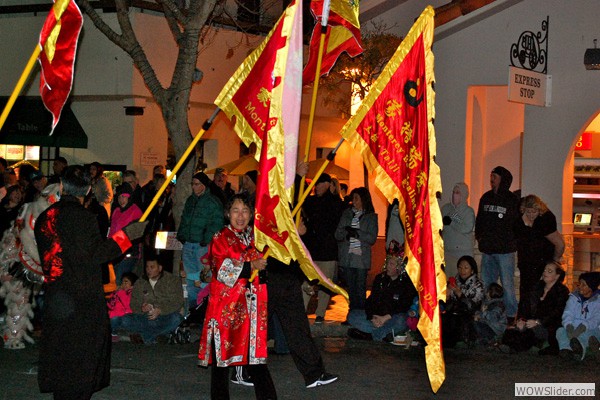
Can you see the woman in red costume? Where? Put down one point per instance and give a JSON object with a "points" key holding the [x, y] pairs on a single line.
{"points": [[235, 327]]}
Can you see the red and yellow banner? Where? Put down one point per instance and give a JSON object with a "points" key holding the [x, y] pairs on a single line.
{"points": [[264, 96], [393, 130], [58, 39], [343, 35]]}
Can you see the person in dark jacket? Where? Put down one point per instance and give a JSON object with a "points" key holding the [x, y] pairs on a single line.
{"points": [[74, 356], [220, 179], [541, 315], [496, 217], [322, 211], [538, 241], [386, 308]]}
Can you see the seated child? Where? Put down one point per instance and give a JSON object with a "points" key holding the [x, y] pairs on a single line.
{"points": [[118, 303], [490, 323], [581, 319]]}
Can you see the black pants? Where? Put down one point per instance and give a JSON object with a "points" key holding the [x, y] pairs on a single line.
{"points": [[455, 328], [264, 389], [530, 275], [285, 300]]}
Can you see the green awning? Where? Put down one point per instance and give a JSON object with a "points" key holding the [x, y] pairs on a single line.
{"points": [[29, 124]]}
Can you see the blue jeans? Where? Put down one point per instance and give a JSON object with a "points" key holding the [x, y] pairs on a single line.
{"points": [[503, 266], [356, 279], [584, 338], [396, 325], [150, 329], [192, 252], [116, 323]]}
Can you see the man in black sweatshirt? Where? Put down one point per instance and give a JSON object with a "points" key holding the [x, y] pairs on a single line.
{"points": [[496, 216]]}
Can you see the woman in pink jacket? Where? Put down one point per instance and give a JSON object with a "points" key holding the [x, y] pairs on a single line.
{"points": [[123, 215]]}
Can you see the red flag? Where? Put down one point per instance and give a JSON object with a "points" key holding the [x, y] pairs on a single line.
{"points": [[393, 129], [58, 40], [343, 35], [264, 95]]}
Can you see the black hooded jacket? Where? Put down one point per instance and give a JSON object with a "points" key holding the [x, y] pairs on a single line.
{"points": [[496, 217]]}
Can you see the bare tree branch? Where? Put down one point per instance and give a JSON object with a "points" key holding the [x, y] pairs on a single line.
{"points": [[174, 10], [100, 24]]}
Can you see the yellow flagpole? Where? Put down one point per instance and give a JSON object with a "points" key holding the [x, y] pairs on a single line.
{"points": [[313, 107], [17, 90], [304, 195], [205, 127]]}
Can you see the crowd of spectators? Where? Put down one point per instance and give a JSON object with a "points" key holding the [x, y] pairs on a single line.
{"points": [[339, 230]]}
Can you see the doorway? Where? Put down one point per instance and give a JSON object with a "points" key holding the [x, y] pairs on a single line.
{"points": [[494, 129]]}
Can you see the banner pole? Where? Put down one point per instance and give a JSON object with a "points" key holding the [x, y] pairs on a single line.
{"points": [[313, 105], [206, 126], [304, 195], [19, 86]]}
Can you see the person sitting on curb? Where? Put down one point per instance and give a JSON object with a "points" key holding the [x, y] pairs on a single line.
{"points": [[156, 302], [581, 319], [386, 308], [118, 303]]}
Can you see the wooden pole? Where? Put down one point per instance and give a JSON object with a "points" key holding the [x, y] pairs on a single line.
{"points": [[206, 126], [19, 86]]}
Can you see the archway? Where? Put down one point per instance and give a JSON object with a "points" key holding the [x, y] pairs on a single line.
{"points": [[581, 199]]}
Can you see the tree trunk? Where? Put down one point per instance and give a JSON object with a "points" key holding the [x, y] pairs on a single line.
{"points": [[176, 121]]}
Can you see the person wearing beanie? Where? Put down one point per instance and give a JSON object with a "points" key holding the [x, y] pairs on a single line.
{"points": [[496, 216], [581, 319], [125, 213], [459, 223], [202, 217]]}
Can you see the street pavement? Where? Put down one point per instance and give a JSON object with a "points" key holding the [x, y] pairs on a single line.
{"points": [[367, 370]]}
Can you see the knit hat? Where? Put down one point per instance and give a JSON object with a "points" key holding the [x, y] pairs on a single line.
{"points": [[592, 279], [253, 175], [323, 178], [203, 178], [125, 190]]}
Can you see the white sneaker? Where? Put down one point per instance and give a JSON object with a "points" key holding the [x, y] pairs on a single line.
{"points": [[241, 377], [324, 379]]}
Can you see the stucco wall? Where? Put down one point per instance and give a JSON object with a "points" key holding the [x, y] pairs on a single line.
{"points": [[479, 55]]}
